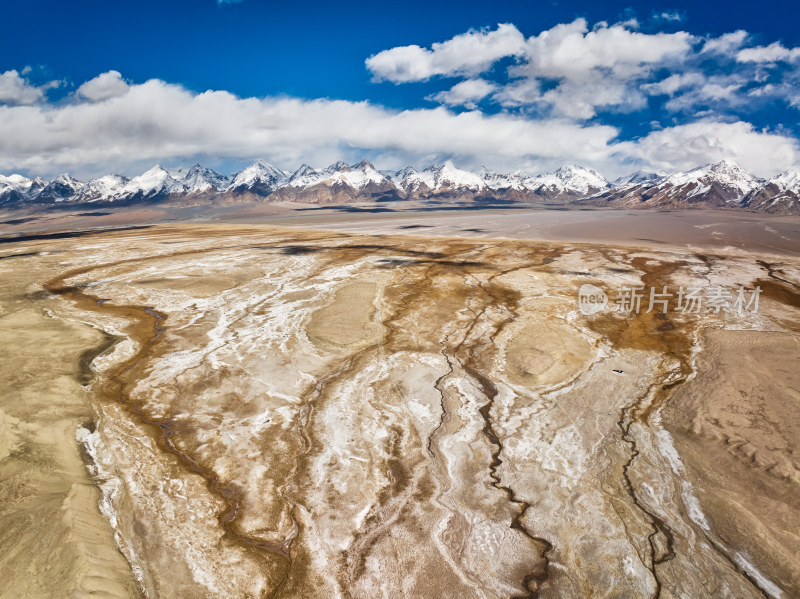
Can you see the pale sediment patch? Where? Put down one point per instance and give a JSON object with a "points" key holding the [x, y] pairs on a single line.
{"points": [[349, 320]]}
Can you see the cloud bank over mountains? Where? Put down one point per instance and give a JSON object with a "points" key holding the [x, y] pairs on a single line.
{"points": [[514, 102]]}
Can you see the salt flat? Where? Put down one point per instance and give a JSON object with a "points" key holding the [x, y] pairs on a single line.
{"points": [[372, 412]]}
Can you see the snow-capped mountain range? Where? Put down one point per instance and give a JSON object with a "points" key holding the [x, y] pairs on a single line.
{"points": [[722, 184]]}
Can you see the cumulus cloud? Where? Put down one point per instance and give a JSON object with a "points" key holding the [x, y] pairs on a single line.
{"points": [[577, 72], [103, 87], [15, 89], [775, 52], [686, 146], [581, 99], [725, 43], [674, 83], [592, 68], [572, 51], [158, 121], [466, 54], [466, 93]]}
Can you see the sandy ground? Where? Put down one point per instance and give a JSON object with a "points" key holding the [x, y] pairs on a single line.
{"points": [[55, 541], [735, 424], [297, 413]]}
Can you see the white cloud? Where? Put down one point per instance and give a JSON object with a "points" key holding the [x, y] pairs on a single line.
{"points": [[576, 72], [571, 51], [726, 43], [710, 93], [674, 83], [775, 52], [519, 92], [671, 16], [467, 93], [581, 99], [597, 68], [103, 87], [466, 54], [686, 146], [15, 89], [159, 122], [156, 121]]}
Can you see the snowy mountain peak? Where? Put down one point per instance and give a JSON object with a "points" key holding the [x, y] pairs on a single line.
{"points": [[726, 173], [641, 176], [498, 181], [15, 180], [60, 189], [20, 183], [403, 174], [447, 175], [305, 176], [154, 181], [570, 179], [338, 166], [364, 165], [580, 175], [787, 180], [358, 176], [726, 166], [67, 179], [103, 189], [261, 175], [199, 179]]}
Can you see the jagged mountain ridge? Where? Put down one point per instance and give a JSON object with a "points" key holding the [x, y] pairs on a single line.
{"points": [[717, 185]]}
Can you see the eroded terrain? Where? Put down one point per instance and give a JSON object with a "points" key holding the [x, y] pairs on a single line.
{"points": [[268, 412]]}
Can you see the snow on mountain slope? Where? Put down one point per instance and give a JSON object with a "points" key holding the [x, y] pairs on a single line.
{"points": [[60, 189], [726, 173], [357, 176], [18, 182], [199, 179], [16, 188], [641, 176], [153, 182], [570, 179], [499, 181], [781, 194], [398, 177], [440, 177], [713, 185], [259, 176], [722, 184], [305, 176], [787, 181], [103, 189]]}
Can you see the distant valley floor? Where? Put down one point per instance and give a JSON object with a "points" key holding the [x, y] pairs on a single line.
{"points": [[718, 229]]}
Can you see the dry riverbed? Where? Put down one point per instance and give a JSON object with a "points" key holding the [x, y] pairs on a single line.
{"points": [[250, 411]]}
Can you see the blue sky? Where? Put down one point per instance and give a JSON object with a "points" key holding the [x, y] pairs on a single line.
{"points": [[530, 85]]}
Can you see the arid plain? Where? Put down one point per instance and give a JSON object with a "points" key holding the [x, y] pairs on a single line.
{"points": [[219, 410]]}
